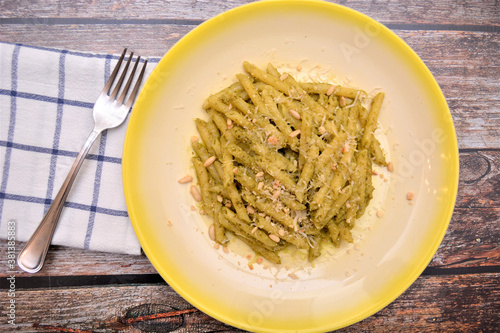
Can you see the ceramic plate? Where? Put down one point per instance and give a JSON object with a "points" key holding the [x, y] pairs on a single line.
{"points": [[325, 41]]}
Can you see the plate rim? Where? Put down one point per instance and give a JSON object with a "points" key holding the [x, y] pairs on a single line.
{"points": [[398, 43]]}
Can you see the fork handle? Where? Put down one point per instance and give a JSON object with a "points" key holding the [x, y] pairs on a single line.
{"points": [[32, 256]]}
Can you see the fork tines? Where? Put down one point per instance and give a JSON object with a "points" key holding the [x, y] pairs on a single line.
{"points": [[114, 93]]}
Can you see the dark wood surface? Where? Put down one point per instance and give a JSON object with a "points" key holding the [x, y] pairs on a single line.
{"points": [[459, 291]]}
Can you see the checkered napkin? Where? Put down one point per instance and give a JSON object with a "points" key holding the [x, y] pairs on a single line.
{"points": [[46, 101]]}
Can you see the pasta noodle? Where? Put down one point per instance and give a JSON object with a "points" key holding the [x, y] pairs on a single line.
{"points": [[286, 163]]}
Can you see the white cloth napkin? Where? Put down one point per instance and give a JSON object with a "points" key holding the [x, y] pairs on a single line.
{"points": [[46, 101]]}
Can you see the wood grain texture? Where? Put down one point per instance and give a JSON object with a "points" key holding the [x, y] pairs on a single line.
{"points": [[479, 180], [460, 303], [466, 69], [469, 76], [148, 40], [400, 11], [66, 261], [471, 239], [459, 41], [463, 303]]}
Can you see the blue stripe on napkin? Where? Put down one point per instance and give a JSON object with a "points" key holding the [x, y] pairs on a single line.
{"points": [[55, 146], [12, 124], [43, 126]]}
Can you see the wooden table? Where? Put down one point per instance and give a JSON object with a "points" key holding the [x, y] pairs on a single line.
{"points": [[459, 291]]}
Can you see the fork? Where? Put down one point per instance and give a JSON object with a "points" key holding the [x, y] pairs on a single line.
{"points": [[109, 112]]}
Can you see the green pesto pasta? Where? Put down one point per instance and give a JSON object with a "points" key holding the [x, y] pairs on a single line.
{"points": [[286, 163]]}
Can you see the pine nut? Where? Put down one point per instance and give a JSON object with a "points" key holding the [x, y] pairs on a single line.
{"points": [[250, 209], [294, 114], [273, 140], [211, 232], [342, 101], [195, 193], [185, 179], [390, 167], [294, 133], [209, 161], [331, 90], [274, 238]]}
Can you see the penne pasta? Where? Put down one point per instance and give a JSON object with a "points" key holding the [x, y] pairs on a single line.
{"points": [[286, 163]]}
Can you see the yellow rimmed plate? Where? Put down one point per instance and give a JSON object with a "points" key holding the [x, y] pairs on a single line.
{"points": [[326, 41]]}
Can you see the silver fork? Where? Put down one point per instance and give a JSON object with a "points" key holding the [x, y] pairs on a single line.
{"points": [[109, 112]]}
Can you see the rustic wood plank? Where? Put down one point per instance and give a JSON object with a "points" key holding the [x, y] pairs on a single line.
{"points": [[104, 309], [461, 303], [470, 69], [401, 11], [432, 304], [471, 240], [479, 184], [66, 261], [466, 68], [472, 237], [121, 9], [458, 41], [148, 40]]}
